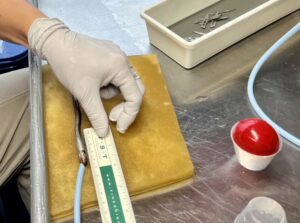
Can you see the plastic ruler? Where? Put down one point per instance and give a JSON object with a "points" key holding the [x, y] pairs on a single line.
{"points": [[112, 194]]}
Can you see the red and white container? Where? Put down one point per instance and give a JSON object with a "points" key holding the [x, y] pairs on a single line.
{"points": [[255, 142]]}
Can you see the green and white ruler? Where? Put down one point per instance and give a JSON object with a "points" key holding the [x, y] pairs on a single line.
{"points": [[113, 198]]}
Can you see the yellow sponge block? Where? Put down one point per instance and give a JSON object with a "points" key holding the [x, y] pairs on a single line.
{"points": [[152, 152]]}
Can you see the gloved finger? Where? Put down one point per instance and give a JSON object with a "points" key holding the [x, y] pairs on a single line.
{"points": [[123, 119], [116, 112], [109, 92], [133, 98], [140, 85], [112, 91], [94, 109]]}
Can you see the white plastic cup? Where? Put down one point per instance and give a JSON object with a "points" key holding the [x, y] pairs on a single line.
{"points": [[251, 161], [262, 210]]}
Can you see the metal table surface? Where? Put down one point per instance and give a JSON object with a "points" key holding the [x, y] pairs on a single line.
{"points": [[208, 100]]}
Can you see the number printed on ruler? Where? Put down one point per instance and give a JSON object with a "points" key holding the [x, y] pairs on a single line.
{"points": [[111, 189], [102, 155]]}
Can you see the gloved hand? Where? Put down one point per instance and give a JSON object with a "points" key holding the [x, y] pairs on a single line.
{"points": [[84, 65]]}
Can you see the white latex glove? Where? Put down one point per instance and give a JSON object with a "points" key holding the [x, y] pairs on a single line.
{"points": [[84, 65]]}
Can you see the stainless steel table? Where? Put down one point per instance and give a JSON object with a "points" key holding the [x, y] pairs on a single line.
{"points": [[208, 100]]}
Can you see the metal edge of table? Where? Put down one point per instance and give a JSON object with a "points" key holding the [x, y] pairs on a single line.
{"points": [[38, 171]]}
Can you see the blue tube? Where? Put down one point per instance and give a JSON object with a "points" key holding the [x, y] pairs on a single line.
{"points": [[79, 181], [251, 80]]}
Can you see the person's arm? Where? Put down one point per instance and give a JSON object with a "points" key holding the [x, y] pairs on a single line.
{"points": [[86, 66], [16, 17]]}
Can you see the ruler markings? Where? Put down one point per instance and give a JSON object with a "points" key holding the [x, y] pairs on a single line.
{"points": [[111, 189]]}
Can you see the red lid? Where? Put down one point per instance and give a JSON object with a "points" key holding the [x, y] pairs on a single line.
{"points": [[256, 137]]}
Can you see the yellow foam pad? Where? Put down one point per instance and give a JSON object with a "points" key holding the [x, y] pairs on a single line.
{"points": [[153, 154]]}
